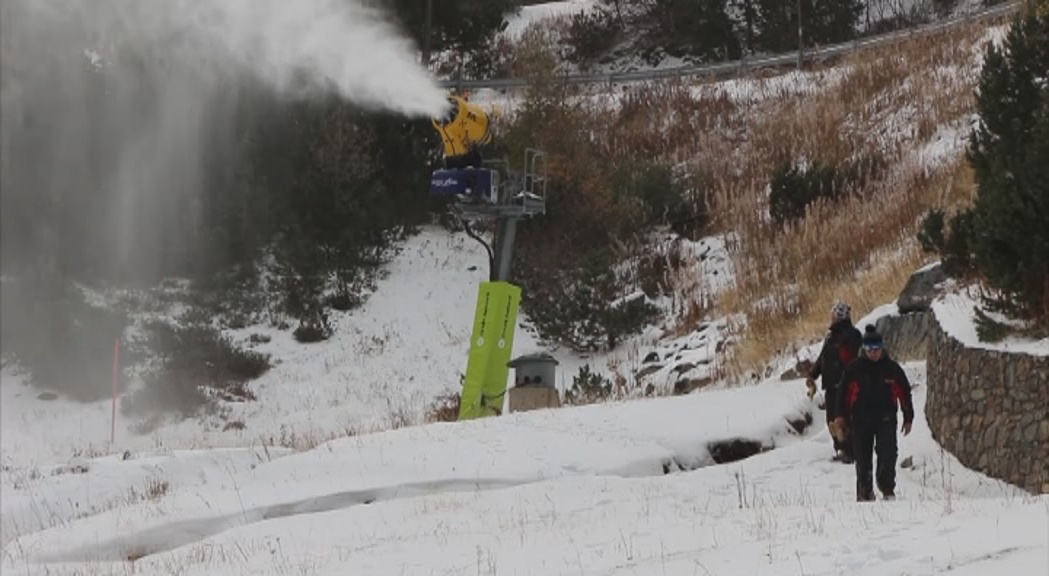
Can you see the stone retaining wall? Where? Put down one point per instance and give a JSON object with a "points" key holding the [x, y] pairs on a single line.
{"points": [[990, 409], [907, 335]]}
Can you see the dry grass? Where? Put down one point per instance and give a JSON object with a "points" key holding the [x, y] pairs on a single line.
{"points": [[892, 105], [888, 105], [445, 408]]}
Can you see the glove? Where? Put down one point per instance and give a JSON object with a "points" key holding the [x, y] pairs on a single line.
{"points": [[812, 387], [838, 429], [906, 428]]}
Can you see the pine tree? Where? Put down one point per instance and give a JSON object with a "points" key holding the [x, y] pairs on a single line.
{"points": [[695, 27], [461, 25], [830, 21], [822, 22], [1009, 154]]}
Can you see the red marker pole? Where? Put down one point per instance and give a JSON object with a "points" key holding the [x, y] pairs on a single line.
{"points": [[116, 378]]}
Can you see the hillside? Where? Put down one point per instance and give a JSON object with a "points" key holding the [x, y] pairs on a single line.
{"points": [[607, 36]]}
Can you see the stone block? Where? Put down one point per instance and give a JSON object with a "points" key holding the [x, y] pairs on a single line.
{"points": [[921, 289], [526, 398]]}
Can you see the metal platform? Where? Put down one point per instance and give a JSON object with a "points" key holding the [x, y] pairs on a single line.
{"points": [[520, 195], [520, 207]]}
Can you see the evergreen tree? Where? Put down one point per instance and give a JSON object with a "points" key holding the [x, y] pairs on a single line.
{"points": [[830, 21], [461, 25], [695, 28], [1009, 154], [822, 22]]}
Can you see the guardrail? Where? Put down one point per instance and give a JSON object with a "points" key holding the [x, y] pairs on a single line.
{"points": [[745, 64]]}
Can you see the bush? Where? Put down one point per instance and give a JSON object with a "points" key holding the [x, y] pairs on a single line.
{"points": [[592, 33], [656, 268], [588, 387], [64, 342], [445, 408], [584, 308], [930, 236], [954, 245], [660, 197], [793, 188], [315, 328], [988, 329], [194, 365]]}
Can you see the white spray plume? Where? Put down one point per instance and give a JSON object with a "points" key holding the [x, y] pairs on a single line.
{"points": [[328, 44], [174, 70]]}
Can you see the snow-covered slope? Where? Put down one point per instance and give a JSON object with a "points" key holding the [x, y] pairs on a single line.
{"points": [[540, 14], [556, 492], [385, 365]]}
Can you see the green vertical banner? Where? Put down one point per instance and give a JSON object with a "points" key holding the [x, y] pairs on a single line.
{"points": [[491, 344]]}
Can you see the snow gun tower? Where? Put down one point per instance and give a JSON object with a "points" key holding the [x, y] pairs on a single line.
{"points": [[487, 191]]}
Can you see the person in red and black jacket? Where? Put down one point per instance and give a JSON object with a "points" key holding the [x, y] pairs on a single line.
{"points": [[840, 348], [874, 387]]}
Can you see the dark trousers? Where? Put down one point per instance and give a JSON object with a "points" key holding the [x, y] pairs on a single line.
{"points": [[830, 397], [870, 438]]}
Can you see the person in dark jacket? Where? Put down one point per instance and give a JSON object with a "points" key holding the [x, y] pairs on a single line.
{"points": [[840, 347], [873, 388]]}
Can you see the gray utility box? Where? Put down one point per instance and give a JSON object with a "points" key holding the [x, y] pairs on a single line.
{"points": [[535, 383]]}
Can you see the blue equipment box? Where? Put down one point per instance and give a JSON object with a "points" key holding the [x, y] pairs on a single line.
{"points": [[473, 182]]}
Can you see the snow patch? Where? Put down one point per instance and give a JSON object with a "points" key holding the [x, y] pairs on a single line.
{"points": [[955, 313]]}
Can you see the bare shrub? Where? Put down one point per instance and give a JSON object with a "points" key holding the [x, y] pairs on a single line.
{"points": [[445, 408]]}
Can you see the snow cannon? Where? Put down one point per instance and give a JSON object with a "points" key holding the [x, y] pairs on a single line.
{"points": [[464, 128]]}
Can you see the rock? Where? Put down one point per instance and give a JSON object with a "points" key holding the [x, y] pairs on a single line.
{"points": [[800, 370], [921, 289], [907, 462], [800, 424], [907, 335], [688, 385], [1031, 433], [734, 450], [647, 371], [683, 367], [651, 357], [47, 396]]}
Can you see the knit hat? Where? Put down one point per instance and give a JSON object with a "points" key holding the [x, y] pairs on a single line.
{"points": [[871, 338], [840, 310]]}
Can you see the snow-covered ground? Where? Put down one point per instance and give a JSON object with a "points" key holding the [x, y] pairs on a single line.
{"points": [[955, 312], [540, 14], [387, 363], [571, 491], [623, 488]]}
